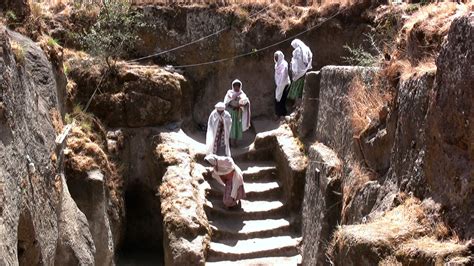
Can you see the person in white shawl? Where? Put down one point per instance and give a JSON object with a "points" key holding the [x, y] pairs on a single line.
{"points": [[228, 174], [301, 62], [282, 80], [218, 131], [238, 105]]}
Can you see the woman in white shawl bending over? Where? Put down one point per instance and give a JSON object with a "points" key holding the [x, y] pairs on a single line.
{"points": [[218, 131], [238, 106], [228, 174], [301, 62], [282, 80]]}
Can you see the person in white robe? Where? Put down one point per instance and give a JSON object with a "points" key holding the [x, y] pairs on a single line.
{"points": [[238, 105], [301, 62], [228, 174], [218, 131], [282, 81]]}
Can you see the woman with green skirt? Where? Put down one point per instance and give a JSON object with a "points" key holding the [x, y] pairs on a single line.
{"points": [[238, 105], [301, 62]]}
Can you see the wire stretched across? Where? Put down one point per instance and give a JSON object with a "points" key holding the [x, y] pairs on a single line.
{"points": [[192, 42]]}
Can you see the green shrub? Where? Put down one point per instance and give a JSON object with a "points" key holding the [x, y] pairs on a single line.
{"points": [[361, 57], [115, 33]]}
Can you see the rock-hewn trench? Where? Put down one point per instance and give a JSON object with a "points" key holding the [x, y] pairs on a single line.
{"points": [[134, 189]]}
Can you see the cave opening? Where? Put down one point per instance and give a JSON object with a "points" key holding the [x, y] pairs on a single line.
{"points": [[143, 240]]}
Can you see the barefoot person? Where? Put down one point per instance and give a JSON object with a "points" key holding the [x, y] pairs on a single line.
{"points": [[238, 106], [301, 62], [218, 131], [282, 80], [228, 174]]}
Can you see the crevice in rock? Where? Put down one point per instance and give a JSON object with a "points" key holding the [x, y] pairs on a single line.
{"points": [[143, 241], [28, 248]]}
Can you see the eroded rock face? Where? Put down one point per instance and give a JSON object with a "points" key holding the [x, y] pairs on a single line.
{"points": [[333, 125], [75, 244], [186, 228], [449, 137], [20, 8], [322, 203], [27, 176], [310, 106], [134, 96]]}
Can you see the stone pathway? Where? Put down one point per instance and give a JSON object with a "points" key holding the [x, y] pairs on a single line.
{"points": [[261, 232]]}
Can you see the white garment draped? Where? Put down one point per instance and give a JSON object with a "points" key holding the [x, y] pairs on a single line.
{"points": [[281, 75], [302, 59], [213, 125], [243, 101], [223, 166]]}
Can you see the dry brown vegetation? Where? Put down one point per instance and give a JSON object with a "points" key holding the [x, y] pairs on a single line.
{"points": [[408, 232], [86, 151], [412, 35], [420, 33], [365, 104]]}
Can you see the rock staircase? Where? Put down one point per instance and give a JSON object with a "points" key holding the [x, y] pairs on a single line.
{"points": [[260, 233]]}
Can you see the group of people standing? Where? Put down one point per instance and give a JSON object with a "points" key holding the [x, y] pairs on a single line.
{"points": [[301, 62], [231, 117]]}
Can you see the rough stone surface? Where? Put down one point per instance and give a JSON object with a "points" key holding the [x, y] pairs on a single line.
{"points": [[310, 106], [322, 203], [449, 137], [20, 8], [28, 197], [144, 227], [333, 124], [186, 228], [291, 164], [134, 96], [408, 233], [90, 195], [75, 244]]}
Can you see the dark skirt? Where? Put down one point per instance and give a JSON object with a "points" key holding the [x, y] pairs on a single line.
{"points": [[280, 107]]}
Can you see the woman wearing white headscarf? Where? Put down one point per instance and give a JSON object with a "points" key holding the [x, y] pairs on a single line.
{"points": [[218, 131], [228, 174], [282, 80], [301, 62], [238, 105]]}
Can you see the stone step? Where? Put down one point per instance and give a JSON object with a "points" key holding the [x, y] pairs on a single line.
{"points": [[253, 191], [267, 261], [251, 154], [262, 171], [253, 248], [251, 210], [245, 229]]}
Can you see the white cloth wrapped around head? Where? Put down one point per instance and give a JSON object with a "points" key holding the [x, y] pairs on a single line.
{"points": [[302, 59], [281, 75], [236, 81], [211, 159], [220, 106]]}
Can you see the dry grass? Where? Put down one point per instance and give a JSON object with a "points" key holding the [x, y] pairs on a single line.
{"points": [[420, 36], [430, 247], [86, 151], [365, 104], [18, 52], [410, 231]]}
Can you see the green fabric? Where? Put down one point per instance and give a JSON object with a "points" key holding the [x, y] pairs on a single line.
{"points": [[296, 89], [236, 129]]}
